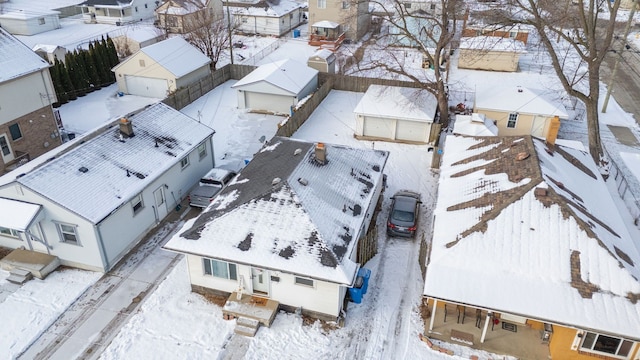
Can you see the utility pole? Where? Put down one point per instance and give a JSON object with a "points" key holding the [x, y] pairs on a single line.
{"points": [[627, 28], [229, 30]]}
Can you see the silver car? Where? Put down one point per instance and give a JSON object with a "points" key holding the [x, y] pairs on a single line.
{"points": [[403, 217], [209, 186]]}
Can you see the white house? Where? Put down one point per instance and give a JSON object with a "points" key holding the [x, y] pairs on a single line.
{"points": [[527, 233], [276, 87], [29, 22], [27, 123], [161, 68], [395, 114], [50, 52], [98, 199], [265, 17], [118, 12], [287, 228]]}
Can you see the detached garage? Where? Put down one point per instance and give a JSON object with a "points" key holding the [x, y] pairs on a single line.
{"points": [[161, 68], [276, 87], [395, 114]]}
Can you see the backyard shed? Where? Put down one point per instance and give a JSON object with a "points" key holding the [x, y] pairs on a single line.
{"points": [[323, 60]]}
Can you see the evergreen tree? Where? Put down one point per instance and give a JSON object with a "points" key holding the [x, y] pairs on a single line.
{"points": [[94, 53], [113, 53], [81, 68], [72, 69], [57, 83], [67, 84], [91, 70]]}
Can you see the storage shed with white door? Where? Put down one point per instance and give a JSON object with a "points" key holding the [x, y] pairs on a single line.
{"points": [[161, 68], [276, 87], [395, 114]]}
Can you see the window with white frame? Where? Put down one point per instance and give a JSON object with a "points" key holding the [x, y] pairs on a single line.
{"points": [[136, 203], [41, 21], [184, 162], [322, 4], [304, 281], [202, 150], [407, 5], [68, 233], [221, 269], [513, 120], [605, 344], [9, 232], [433, 6], [513, 34]]}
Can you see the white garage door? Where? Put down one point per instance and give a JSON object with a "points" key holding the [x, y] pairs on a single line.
{"points": [[412, 131], [149, 87], [378, 127], [268, 102]]}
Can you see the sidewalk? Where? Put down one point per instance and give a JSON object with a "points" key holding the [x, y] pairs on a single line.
{"points": [[89, 325]]}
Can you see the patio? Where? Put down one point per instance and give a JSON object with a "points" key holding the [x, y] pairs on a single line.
{"points": [[464, 326]]}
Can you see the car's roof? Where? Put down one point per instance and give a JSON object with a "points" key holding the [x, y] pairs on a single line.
{"points": [[405, 202], [217, 174]]}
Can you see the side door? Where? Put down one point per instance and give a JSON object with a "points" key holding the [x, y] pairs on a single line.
{"points": [[5, 149]]}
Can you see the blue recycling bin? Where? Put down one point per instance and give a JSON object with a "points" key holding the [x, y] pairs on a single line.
{"points": [[296, 33], [365, 274], [356, 294]]}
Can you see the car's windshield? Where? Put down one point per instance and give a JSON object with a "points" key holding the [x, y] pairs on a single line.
{"points": [[404, 216], [211, 182]]}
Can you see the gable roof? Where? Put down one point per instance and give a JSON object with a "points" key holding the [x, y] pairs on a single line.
{"points": [[181, 7], [174, 54], [117, 171], [522, 100], [539, 237], [493, 43], [16, 59], [307, 224], [286, 74], [398, 103], [474, 125], [28, 14], [265, 8]]}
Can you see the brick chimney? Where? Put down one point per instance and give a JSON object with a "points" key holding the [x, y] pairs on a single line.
{"points": [[126, 128], [321, 153]]}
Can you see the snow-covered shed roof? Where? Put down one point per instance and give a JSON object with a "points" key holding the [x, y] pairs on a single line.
{"points": [[181, 7], [522, 100], [28, 14], [307, 223], [16, 59], [47, 48], [17, 215], [287, 74], [174, 54], [325, 54], [398, 103], [474, 125], [532, 230], [98, 176], [493, 43], [265, 8], [138, 33], [325, 24]]}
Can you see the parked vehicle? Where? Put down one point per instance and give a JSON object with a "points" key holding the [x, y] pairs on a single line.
{"points": [[209, 186], [403, 217]]}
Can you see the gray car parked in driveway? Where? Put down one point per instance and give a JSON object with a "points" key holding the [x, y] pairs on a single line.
{"points": [[403, 217], [209, 186]]}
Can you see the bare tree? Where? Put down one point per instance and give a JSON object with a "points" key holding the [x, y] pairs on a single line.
{"points": [[577, 38], [426, 26], [209, 34]]}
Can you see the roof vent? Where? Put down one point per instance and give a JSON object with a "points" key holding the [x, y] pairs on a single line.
{"points": [[519, 89], [83, 169], [321, 153], [522, 156], [297, 152], [275, 181], [303, 181], [126, 127]]}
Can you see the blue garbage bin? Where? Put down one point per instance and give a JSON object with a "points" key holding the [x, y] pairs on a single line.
{"points": [[296, 33], [355, 294], [365, 274]]}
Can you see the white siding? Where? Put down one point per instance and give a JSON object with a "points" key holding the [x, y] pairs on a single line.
{"points": [[26, 94], [268, 102], [30, 26]]}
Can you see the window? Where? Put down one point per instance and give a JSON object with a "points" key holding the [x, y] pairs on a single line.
{"points": [[9, 232], [15, 132], [221, 269], [4, 146], [433, 6], [244, 20], [68, 233], [184, 162], [513, 119], [202, 150], [141, 62], [346, 4], [137, 204], [597, 343], [303, 281], [513, 34], [407, 5], [41, 21], [322, 4]]}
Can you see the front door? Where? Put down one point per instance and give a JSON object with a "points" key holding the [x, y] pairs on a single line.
{"points": [[161, 203], [5, 149], [260, 279]]}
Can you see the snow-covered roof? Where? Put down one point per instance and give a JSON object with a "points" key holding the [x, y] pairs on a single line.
{"points": [[398, 103], [182, 7], [27, 14], [47, 48], [532, 230], [138, 33], [522, 100], [117, 170], [16, 59], [307, 223], [474, 125], [113, 3], [324, 54], [493, 43], [326, 24], [174, 54], [286, 74], [265, 8], [17, 215]]}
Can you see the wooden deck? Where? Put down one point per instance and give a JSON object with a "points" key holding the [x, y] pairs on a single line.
{"points": [[253, 307]]}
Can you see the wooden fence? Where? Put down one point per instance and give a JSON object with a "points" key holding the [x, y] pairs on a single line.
{"points": [[368, 245]]}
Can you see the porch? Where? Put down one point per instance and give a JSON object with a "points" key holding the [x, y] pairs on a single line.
{"points": [[462, 325], [38, 264], [248, 306]]}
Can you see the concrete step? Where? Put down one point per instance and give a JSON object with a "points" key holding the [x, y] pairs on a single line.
{"points": [[19, 276], [247, 326], [248, 322]]}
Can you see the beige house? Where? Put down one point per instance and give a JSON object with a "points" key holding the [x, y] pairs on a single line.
{"points": [[182, 16], [522, 111], [161, 68], [490, 53], [353, 18]]}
